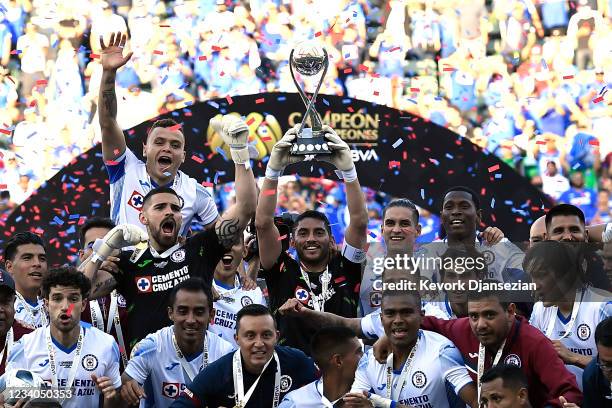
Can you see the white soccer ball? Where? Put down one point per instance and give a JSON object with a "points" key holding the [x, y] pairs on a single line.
{"points": [[16, 380]]}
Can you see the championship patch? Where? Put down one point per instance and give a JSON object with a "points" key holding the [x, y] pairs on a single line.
{"points": [[583, 332], [302, 295], [143, 284], [136, 200], [246, 301], [512, 359], [178, 255], [419, 379], [171, 390], [375, 299], [489, 257], [90, 362], [285, 383], [121, 301]]}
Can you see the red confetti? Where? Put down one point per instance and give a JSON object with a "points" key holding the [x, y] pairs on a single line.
{"points": [[207, 184], [415, 90], [363, 68], [250, 121], [393, 163], [348, 70], [229, 99], [493, 168], [41, 82], [269, 192], [568, 76], [202, 58], [175, 127], [260, 100], [69, 312], [448, 69], [318, 34], [540, 142], [281, 237], [598, 99], [157, 52], [350, 109], [94, 56], [111, 162], [376, 93], [216, 48], [197, 159], [594, 142], [5, 131], [3, 186], [394, 49]]}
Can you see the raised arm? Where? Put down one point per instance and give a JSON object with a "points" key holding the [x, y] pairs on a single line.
{"points": [[267, 233], [294, 308], [113, 140], [235, 133]]}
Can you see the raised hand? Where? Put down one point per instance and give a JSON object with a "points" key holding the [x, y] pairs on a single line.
{"points": [[281, 157], [340, 151], [111, 56]]}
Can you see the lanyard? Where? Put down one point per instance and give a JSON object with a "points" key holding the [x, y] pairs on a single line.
{"points": [[318, 302], [32, 311], [481, 362], [570, 325], [186, 366], [239, 396], [75, 361], [8, 344], [324, 400], [405, 371], [97, 320]]}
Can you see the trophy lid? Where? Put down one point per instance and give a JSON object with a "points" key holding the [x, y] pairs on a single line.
{"points": [[309, 58]]}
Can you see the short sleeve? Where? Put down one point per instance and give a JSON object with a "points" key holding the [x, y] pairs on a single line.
{"points": [[371, 325], [536, 317], [16, 358], [361, 382], [139, 366], [452, 367], [288, 402], [112, 370], [206, 209]]}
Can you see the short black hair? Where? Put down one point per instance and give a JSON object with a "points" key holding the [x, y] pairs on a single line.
{"points": [[18, 239], [603, 332], [406, 203], [94, 222], [401, 293], [191, 285], [475, 199], [163, 123], [254, 309], [474, 295], [511, 375], [563, 209], [329, 341], [313, 214], [66, 276], [161, 190]]}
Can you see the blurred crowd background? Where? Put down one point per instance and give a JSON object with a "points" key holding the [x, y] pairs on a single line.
{"points": [[524, 79]]}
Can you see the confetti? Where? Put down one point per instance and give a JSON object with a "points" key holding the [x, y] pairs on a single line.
{"points": [[363, 68], [207, 184], [281, 237], [70, 308], [5, 131], [216, 48], [397, 143], [348, 70], [41, 82], [493, 168], [260, 100], [93, 56], [394, 49], [157, 52], [250, 121], [318, 34], [175, 127], [594, 142], [202, 58], [229, 99], [393, 164], [598, 99], [269, 192], [197, 159], [568, 76], [414, 90]]}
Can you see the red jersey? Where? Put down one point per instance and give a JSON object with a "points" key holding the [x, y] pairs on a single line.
{"points": [[526, 347], [19, 329]]}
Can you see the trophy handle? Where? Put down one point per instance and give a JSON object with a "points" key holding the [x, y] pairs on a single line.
{"points": [[315, 118]]}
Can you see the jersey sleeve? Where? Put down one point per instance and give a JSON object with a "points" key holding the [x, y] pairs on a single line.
{"points": [[605, 311], [139, 366], [452, 367], [536, 317], [288, 402], [112, 370], [513, 262], [371, 325], [116, 168], [205, 205], [16, 358], [123, 275], [362, 383]]}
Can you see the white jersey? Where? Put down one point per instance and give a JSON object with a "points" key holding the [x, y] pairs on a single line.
{"points": [[34, 315], [130, 182], [155, 358], [445, 308], [369, 297], [309, 396], [596, 305], [436, 361], [372, 328], [504, 260], [227, 307], [99, 355]]}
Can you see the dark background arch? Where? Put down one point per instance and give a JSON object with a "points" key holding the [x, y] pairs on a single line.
{"points": [[427, 161]]}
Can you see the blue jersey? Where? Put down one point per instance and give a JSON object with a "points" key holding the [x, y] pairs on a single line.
{"points": [[214, 387]]}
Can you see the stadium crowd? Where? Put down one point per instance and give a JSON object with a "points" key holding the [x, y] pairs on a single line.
{"points": [[152, 315]]}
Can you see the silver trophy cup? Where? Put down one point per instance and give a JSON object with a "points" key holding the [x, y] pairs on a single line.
{"points": [[309, 60]]}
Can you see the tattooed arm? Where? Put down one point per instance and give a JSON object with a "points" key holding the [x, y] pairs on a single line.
{"points": [[233, 222], [102, 282], [113, 141]]}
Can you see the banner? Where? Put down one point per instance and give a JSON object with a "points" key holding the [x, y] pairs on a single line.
{"points": [[395, 152]]}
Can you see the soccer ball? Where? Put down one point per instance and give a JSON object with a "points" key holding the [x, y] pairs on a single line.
{"points": [[18, 379]]}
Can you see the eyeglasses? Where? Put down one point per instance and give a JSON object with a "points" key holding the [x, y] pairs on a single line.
{"points": [[604, 366]]}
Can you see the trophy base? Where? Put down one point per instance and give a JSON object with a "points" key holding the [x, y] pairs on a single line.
{"points": [[308, 145]]}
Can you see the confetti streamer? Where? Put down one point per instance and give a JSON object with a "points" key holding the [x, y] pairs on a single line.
{"points": [[70, 308], [207, 184], [397, 143], [269, 192], [598, 99], [281, 237], [229, 99], [157, 52], [197, 159], [493, 168], [260, 100]]}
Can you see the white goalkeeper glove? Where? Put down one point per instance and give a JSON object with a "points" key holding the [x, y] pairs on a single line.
{"points": [[121, 236], [235, 133]]}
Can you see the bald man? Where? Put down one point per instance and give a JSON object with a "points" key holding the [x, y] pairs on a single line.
{"points": [[537, 232]]}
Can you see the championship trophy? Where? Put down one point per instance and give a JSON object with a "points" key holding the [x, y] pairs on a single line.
{"points": [[309, 60]]}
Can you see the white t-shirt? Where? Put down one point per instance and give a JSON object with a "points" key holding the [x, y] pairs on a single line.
{"points": [[227, 307], [99, 356], [155, 358], [33, 58], [309, 396], [436, 360], [33, 315], [371, 324], [596, 305], [129, 183]]}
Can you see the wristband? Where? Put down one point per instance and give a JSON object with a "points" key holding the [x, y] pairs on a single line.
{"points": [[273, 174], [241, 156], [381, 402], [350, 175], [96, 245], [606, 235]]}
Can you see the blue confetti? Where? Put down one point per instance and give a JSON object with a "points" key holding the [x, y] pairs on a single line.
{"points": [[422, 193], [450, 156], [493, 202], [372, 234], [397, 143], [281, 98], [71, 230], [498, 176], [58, 220], [326, 102], [221, 152], [74, 217], [164, 79], [213, 104]]}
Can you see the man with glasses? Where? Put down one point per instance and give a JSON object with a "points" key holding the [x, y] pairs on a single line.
{"points": [[597, 376]]}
